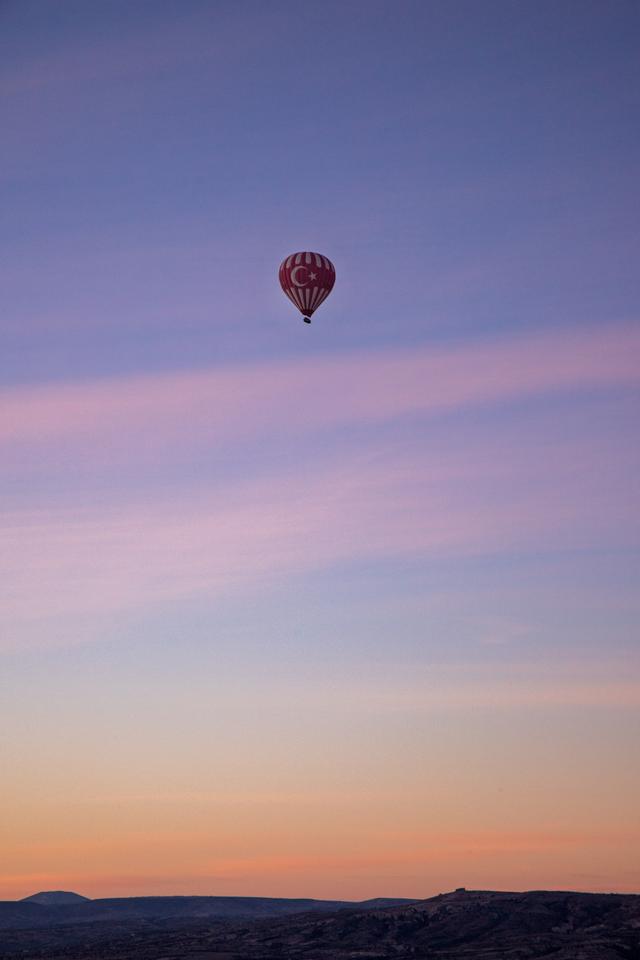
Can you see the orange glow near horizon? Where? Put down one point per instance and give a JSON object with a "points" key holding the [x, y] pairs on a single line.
{"points": [[418, 867], [413, 817]]}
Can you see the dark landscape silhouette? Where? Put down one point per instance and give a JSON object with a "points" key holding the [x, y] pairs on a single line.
{"points": [[474, 925]]}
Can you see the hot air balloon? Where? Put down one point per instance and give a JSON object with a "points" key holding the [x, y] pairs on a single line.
{"points": [[307, 279]]}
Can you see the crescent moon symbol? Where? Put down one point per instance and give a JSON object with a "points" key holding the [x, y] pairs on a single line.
{"points": [[295, 281]]}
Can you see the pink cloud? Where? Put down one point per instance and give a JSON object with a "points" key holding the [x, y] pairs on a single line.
{"points": [[143, 416], [372, 504]]}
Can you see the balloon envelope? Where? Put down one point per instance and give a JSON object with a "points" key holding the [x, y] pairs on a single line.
{"points": [[307, 279]]}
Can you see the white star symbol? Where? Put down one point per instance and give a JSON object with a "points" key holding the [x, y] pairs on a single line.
{"points": [[312, 276]]}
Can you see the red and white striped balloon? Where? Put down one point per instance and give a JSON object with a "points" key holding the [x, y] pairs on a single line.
{"points": [[307, 279]]}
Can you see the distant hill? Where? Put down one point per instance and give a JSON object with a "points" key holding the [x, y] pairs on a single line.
{"points": [[55, 898], [55, 908]]}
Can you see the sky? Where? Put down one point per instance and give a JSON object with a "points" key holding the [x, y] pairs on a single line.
{"points": [[342, 610]]}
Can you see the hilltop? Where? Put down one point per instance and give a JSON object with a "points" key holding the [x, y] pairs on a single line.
{"points": [[55, 898]]}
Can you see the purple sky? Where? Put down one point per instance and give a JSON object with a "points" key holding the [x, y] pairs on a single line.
{"points": [[328, 558]]}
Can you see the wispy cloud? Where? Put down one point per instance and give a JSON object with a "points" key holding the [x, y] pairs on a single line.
{"points": [[222, 404], [242, 535], [145, 48], [378, 499]]}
